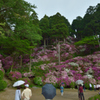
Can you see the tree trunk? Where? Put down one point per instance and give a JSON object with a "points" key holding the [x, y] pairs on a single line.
{"points": [[30, 62], [64, 40], [12, 66], [30, 65], [58, 53], [56, 41], [44, 45], [21, 61], [47, 41]]}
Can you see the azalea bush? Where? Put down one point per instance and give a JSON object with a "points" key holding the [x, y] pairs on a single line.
{"points": [[72, 67], [14, 76], [27, 80], [38, 81], [37, 70], [28, 74]]}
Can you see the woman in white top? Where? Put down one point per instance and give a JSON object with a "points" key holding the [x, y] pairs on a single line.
{"points": [[18, 94]]}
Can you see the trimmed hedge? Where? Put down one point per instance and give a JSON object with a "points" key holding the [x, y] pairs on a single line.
{"points": [[3, 85], [1, 75]]}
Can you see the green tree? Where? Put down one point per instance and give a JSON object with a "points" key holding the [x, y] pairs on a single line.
{"points": [[21, 16], [60, 31], [44, 26], [77, 27]]}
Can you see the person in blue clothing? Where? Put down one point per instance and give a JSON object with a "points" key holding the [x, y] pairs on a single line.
{"points": [[62, 89], [83, 86]]}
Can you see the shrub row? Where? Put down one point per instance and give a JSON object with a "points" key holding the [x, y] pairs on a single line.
{"points": [[3, 84]]}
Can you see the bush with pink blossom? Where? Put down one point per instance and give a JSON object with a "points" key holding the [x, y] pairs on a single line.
{"points": [[28, 74], [14, 75], [27, 80], [1, 68]]}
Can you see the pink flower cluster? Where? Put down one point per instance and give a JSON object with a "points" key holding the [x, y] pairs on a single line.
{"points": [[15, 75]]}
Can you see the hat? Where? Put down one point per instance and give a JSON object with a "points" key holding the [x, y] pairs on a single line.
{"points": [[26, 85]]}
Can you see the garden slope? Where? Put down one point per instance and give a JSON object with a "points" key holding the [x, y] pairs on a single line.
{"points": [[69, 94]]}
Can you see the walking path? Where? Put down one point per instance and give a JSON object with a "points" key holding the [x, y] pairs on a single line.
{"points": [[69, 94]]}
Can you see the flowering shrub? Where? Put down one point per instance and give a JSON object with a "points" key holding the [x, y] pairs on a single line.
{"points": [[7, 62], [38, 80], [45, 65], [51, 79], [15, 75], [27, 80], [1, 68], [28, 74]]}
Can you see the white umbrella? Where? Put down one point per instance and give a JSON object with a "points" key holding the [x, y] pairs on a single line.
{"points": [[79, 82], [18, 83]]}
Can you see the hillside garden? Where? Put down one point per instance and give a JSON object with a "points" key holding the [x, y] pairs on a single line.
{"points": [[45, 67]]}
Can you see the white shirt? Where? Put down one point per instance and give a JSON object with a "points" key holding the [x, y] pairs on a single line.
{"points": [[18, 94], [90, 85]]}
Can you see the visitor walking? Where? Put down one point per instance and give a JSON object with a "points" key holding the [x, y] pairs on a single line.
{"points": [[94, 87], [90, 86], [78, 92], [62, 89], [18, 94], [26, 93], [84, 86], [81, 92]]}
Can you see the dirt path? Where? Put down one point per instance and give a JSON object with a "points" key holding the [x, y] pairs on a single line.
{"points": [[69, 94]]}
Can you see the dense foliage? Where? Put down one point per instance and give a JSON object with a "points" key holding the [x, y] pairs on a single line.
{"points": [[3, 85], [1, 75], [89, 25]]}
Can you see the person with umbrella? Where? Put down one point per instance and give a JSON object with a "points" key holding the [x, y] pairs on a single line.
{"points": [[27, 93], [48, 91], [18, 91], [81, 92], [78, 82]]}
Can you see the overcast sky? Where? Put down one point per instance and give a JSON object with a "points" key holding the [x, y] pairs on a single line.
{"points": [[67, 8]]}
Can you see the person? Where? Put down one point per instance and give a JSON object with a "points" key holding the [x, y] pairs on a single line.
{"points": [[94, 87], [83, 86], [26, 93], [18, 94], [81, 92], [61, 89], [90, 85], [78, 92]]}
